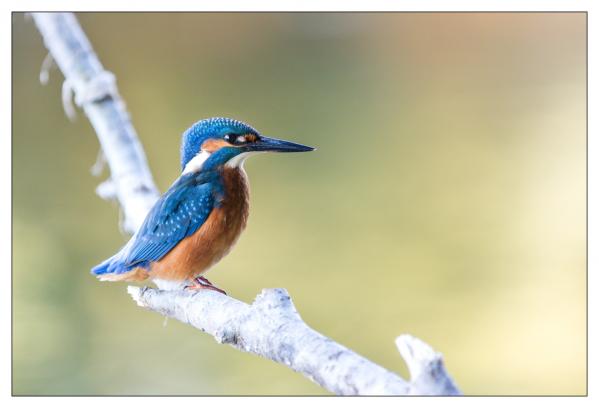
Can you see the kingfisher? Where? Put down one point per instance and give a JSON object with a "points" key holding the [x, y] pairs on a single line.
{"points": [[199, 219]]}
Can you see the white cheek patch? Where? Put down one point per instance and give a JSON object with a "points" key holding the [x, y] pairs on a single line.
{"points": [[238, 160], [197, 162]]}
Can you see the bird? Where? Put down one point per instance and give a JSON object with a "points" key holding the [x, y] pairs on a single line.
{"points": [[198, 220]]}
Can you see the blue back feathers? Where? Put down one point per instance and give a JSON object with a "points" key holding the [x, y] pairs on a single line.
{"points": [[212, 128], [176, 215]]}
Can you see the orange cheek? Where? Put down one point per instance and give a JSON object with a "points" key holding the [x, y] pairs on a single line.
{"points": [[212, 145]]}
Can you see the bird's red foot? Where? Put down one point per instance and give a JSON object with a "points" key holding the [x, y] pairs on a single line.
{"points": [[203, 283]]}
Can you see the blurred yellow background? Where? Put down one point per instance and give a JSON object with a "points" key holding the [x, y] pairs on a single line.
{"points": [[446, 198]]}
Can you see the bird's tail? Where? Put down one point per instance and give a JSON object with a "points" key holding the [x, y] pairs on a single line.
{"points": [[113, 265], [103, 268]]}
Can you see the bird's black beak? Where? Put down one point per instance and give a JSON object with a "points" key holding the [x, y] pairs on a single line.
{"points": [[268, 144]]}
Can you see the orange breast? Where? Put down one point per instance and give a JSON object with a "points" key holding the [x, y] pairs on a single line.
{"points": [[214, 239]]}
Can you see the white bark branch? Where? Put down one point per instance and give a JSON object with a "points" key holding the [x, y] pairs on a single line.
{"points": [[270, 327], [96, 93]]}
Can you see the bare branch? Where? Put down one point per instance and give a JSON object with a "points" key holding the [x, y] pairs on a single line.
{"points": [[96, 93], [270, 327]]}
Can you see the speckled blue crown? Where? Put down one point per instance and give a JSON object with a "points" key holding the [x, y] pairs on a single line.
{"points": [[212, 128]]}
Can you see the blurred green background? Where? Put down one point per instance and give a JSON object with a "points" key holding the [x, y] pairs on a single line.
{"points": [[446, 198]]}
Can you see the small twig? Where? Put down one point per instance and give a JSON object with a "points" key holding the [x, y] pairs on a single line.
{"points": [[47, 64], [427, 370]]}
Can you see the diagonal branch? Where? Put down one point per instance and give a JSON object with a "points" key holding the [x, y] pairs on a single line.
{"points": [[96, 93], [270, 327]]}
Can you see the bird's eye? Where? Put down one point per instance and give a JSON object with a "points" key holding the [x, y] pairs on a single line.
{"points": [[240, 139], [237, 139]]}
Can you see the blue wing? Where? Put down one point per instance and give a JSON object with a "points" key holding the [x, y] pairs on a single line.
{"points": [[176, 215]]}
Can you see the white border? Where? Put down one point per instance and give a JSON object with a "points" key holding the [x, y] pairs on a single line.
{"points": [[307, 5]]}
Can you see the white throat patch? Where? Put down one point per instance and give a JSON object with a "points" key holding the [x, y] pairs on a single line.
{"points": [[238, 160], [197, 162]]}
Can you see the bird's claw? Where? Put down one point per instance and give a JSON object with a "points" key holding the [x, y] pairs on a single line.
{"points": [[203, 283]]}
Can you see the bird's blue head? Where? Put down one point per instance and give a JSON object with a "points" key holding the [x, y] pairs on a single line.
{"points": [[227, 141]]}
